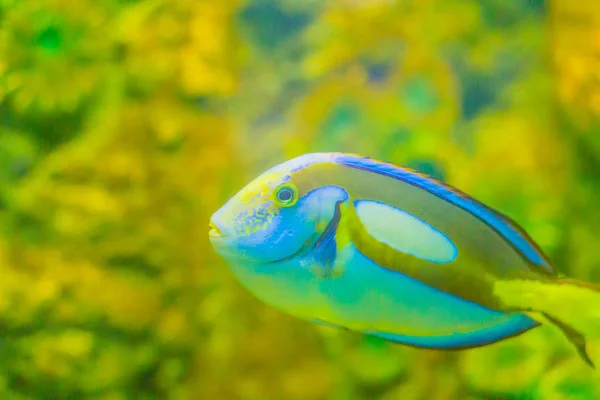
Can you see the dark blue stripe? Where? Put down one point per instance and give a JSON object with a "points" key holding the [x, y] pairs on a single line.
{"points": [[507, 228], [519, 323]]}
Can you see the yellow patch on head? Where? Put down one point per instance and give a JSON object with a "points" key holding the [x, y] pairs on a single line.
{"points": [[255, 204]]}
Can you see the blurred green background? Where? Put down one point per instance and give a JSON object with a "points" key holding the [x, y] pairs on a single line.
{"points": [[125, 123]]}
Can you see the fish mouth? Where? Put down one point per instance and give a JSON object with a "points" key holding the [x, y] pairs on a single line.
{"points": [[215, 232]]}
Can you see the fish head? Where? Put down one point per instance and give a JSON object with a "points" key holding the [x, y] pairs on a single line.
{"points": [[277, 215]]}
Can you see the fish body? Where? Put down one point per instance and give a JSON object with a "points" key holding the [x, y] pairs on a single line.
{"points": [[364, 245], [380, 302]]}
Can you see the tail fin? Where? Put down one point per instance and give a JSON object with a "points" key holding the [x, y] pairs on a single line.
{"points": [[574, 337], [571, 305], [595, 287]]}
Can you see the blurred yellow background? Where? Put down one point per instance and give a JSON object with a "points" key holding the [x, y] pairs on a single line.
{"points": [[125, 123]]}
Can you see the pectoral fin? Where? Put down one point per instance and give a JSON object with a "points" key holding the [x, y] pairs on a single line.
{"points": [[325, 248], [574, 337]]}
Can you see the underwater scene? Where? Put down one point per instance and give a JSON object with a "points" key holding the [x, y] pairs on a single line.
{"points": [[192, 204]]}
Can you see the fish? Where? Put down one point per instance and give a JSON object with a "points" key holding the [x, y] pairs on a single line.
{"points": [[363, 245]]}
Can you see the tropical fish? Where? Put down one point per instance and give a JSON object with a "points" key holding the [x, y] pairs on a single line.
{"points": [[363, 245]]}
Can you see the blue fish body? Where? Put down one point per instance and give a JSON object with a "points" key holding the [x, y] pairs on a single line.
{"points": [[359, 244], [360, 295]]}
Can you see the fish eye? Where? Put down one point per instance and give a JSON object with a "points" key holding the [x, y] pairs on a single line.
{"points": [[286, 195]]}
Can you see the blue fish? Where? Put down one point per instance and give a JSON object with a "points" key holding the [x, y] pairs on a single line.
{"points": [[364, 245]]}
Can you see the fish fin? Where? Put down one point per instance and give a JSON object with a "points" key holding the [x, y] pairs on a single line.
{"points": [[325, 248], [518, 325], [463, 341], [574, 337], [569, 304], [581, 284]]}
